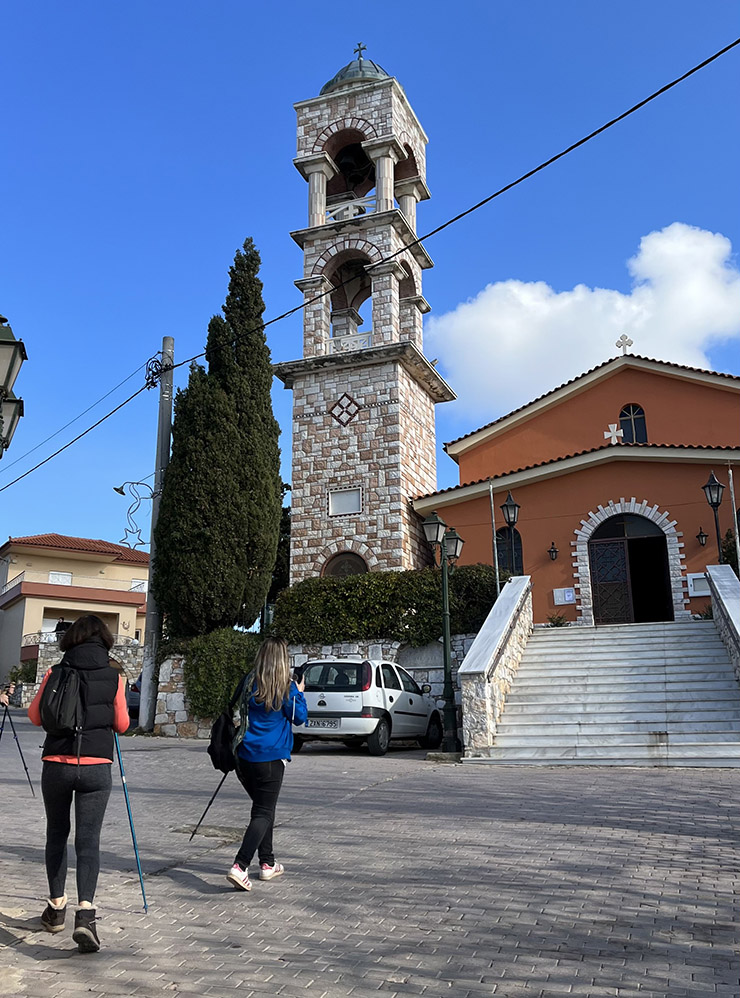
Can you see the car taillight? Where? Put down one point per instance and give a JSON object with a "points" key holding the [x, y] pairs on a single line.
{"points": [[367, 675], [135, 688]]}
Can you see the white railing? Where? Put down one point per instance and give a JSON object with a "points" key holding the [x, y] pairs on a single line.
{"points": [[345, 344], [87, 581], [350, 208], [51, 638]]}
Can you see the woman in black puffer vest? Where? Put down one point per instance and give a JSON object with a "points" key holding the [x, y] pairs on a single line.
{"points": [[84, 779]]}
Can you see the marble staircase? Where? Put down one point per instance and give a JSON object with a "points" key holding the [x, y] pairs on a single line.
{"points": [[660, 694]]}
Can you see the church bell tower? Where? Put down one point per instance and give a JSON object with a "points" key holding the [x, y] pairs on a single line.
{"points": [[363, 393]]}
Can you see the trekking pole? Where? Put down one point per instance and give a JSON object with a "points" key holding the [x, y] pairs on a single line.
{"points": [[207, 806], [130, 820], [15, 735]]}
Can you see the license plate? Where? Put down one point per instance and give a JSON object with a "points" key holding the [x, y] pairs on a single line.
{"points": [[322, 722]]}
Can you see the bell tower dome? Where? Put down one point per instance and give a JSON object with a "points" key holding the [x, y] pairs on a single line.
{"points": [[363, 393]]}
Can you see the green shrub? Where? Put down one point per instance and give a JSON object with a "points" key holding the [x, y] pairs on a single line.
{"points": [[23, 673], [403, 606], [214, 664], [557, 620]]}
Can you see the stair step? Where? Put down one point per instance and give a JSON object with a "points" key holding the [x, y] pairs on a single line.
{"points": [[506, 740], [596, 726], [639, 655], [686, 750], [684, 762], [529, 673], [597, 699], [718, 711], [648, 683]]}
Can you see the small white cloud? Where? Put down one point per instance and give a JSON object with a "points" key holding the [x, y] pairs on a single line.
{"points": [[516, 340]]}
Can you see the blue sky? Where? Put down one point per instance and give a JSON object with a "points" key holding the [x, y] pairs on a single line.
{"points": [[143, 142]]}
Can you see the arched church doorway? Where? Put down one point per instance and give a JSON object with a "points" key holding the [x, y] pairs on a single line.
{"points": [[630, 580]]}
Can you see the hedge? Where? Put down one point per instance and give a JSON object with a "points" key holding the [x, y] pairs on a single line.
{"points": [[214, 664], [403, 606]]}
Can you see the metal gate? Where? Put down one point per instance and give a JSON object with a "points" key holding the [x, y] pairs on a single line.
{"points": [[610, 581]]}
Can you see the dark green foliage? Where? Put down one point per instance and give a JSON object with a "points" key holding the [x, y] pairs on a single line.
{"points": [[220, 510], [23, 673], [557, 620], [214, 664], [404, 606], [281, 571], [729, 551]]}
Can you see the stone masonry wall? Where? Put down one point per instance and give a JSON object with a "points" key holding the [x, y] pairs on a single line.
{"points": [[173, 716], [128, 658], [484, 693]]}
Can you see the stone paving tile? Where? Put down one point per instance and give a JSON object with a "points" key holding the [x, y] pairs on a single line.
{"points": [[404, 878]]}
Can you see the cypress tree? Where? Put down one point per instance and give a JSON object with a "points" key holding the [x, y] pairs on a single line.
{"points": [[219, 515]]}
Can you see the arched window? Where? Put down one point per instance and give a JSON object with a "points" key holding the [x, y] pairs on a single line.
{"points": [[632, 423], [345, 563], [504, 543]]}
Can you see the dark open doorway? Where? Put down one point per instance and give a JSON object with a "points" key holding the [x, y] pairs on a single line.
{"points": [[630, 580]]}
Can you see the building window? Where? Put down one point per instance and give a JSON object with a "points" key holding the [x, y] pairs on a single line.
{"points": [[137, 635], [139, 586], [345, 502], [60, 578], [345, 563], [633, 425], [504, 544]]}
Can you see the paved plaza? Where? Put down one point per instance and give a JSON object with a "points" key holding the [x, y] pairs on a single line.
{"points": [[404, 877]]}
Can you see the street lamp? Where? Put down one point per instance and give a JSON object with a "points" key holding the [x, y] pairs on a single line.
{"points": [[553, 552], [702, 537], [510, 508], [450, 546], [713, 491], [12, 355]]}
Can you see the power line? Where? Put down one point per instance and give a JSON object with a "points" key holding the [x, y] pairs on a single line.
{"points": [[404, 249]]}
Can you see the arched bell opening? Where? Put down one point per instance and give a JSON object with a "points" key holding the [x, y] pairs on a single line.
{"points": [[406, 169], [356, 176], [407, 284], [351, 298]]}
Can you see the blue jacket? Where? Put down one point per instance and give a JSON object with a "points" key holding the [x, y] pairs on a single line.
{"points": [[269, 735]]}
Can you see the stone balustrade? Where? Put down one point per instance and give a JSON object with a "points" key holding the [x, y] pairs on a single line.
{"points": [[489, 667], [724, 587]]}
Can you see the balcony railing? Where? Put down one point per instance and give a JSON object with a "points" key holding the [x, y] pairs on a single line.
{"points": [[86, 581], [351, 208], [51, 638], [345, 344]]}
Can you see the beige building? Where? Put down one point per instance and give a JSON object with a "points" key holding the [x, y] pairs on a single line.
{"points": [[48, 576]]}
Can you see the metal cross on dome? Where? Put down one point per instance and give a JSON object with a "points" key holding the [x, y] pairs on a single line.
{"points": [[360, 49], [613, 435], [623, 342]]}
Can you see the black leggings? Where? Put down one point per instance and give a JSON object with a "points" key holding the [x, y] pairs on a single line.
{"points": [[90, 788], [262, 781]]}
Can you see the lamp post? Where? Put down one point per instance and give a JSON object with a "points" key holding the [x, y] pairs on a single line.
{"points": [[713, 491], [510, 509], [12, 356], [450, 546]]}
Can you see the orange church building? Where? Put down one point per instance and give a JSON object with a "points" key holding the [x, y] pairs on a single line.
{"points": [[607, 470]]}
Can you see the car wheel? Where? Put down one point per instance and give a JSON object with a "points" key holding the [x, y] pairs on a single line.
{"points": [[379, 740], [433, 738], [297, 744]]}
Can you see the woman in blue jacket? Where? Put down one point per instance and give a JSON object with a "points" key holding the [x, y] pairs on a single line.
{"points": [[275, 705]]}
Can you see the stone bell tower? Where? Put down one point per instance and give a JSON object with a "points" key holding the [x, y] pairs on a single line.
{"points": [[363, 393]]}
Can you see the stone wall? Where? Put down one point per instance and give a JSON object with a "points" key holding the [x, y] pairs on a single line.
{"points": [[172, 716], [491, 664], [724, 586], [128, 658]]}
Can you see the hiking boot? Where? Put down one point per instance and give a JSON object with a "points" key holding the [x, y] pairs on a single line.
{"points": [[239, 878], [52, 917], [85, 934], [267, 872]]}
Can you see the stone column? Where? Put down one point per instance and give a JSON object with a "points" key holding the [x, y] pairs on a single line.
{"points": [[317, 170], [316, 315], [386, 315], [344, 322], [385, 153], [409, 192], [411, 310]]}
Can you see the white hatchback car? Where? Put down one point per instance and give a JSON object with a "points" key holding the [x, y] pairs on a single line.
{"points": [[371, 702]]}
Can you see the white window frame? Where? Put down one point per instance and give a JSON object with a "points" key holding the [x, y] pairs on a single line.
{"points": [[333, 494], [698, 584]]}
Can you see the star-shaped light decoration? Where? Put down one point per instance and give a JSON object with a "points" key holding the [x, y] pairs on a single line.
{"points": [[129, 536]]}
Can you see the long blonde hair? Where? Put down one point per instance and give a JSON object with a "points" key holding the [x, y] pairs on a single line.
{"points": [[272, 673]]}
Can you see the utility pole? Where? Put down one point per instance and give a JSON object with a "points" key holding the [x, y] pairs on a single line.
{"points": [[163, 373]]}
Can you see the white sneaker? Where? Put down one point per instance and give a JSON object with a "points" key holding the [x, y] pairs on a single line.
{"points": [[268, 872], [239, 878]]}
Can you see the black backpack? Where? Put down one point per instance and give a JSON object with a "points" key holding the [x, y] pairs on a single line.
{"points": [[225, 738], [61, 707]]}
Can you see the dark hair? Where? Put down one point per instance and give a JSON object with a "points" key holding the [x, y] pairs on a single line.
{"points": [[85, 629]]}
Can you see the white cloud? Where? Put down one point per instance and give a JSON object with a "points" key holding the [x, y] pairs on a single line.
{"points": [[516, 340]]}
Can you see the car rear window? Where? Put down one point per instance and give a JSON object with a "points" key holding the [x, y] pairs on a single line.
{"points": [[327, 676]]}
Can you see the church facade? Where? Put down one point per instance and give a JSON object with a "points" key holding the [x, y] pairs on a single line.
{"points": [[608, 473], [364, 394]]}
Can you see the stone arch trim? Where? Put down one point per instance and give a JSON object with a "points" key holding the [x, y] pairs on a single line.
{"points": [[341, 246], [582, 567], [358, 124], [353, 546]]}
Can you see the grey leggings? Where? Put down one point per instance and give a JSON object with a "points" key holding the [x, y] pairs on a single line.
{"points": [[90, 788]]}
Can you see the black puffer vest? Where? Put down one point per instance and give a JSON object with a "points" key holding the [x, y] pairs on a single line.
{"points": [[99, 684]]}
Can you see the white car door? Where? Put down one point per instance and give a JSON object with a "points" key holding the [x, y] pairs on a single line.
{"points": [[392, 694], [413, 705]]}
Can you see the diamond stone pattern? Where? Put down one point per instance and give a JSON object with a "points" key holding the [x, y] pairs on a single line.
{"points": [[344, 409]]}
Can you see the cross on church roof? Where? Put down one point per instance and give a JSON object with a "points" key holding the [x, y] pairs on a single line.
{"points": [[624, 342], [360, 49]]}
